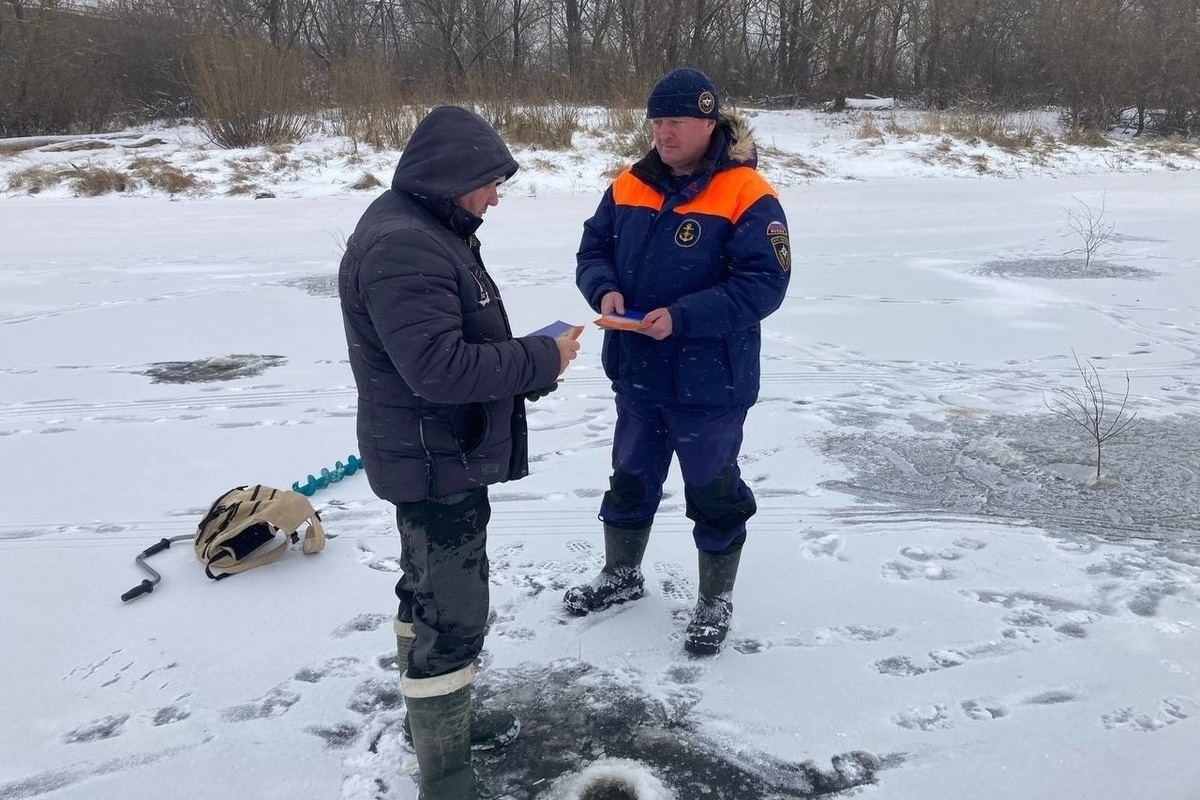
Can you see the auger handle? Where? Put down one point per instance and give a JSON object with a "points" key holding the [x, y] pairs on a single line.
{"points": [[145, 587], [157, 547]]}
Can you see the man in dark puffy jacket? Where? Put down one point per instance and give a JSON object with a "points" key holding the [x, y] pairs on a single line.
{"points": [[695, 239], [442, 385]]}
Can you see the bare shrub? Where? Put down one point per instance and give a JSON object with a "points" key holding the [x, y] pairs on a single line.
{"points": [[1174, 145], [867, 129], [369, 107], [95, 181], [1092, 229], [160, 174], [35, 179], [247, 93], [240, 186], [1084, 137], [547, 126], [627, 132], [551, 126], [1091, 409], [366, 181], [895, 127], [243, 169], [792, 162], [625, 119], [614, 169], [996, 128], [930, 124]]}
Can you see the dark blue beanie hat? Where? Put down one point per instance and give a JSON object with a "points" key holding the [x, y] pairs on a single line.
{"points": [[683, 92]]}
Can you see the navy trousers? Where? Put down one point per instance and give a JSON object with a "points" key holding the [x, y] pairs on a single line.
{"points": [[707, 442], [443, 586]]}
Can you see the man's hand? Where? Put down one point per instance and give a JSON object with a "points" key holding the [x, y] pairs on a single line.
{"points": [[568, 348], [612, 303], [657, 324]]}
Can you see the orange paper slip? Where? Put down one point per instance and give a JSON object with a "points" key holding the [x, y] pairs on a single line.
{"points": [[629, 321]]}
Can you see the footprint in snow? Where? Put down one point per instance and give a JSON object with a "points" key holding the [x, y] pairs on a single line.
{"points": [[673, 582], [904, 571], [903, 666], [274, 703], [1034, 616], [1170, 711], [924, 718], [822, 545], [938, 716], [98, 729], [818, 637], [924, 556], [340, 667], [368, 557], [363, 623]]}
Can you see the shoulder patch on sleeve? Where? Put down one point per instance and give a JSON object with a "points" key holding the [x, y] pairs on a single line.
{"points": [[778, 235]]}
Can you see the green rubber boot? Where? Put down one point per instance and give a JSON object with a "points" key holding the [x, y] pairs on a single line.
{"points": [[705, 635], [621, 578], [490, 728]]}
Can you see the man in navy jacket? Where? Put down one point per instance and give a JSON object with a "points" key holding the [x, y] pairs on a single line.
{"points": [[695, 239], [441, 415]]}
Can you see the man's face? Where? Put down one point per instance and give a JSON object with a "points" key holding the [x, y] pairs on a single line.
{"points": [[477, 201], [681, 142]]}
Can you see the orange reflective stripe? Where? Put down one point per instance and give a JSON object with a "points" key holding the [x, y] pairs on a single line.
{"points": [[729, 194], [629, 191]]}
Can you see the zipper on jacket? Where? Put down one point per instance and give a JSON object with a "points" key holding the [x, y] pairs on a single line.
{"points": [[430, 478]]}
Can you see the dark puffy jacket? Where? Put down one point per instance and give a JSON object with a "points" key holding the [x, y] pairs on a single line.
{"points": [[439, 374], [713, 251]]}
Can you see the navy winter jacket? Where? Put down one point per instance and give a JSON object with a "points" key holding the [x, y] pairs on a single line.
{"points": [[439, 375], [714, 252]]}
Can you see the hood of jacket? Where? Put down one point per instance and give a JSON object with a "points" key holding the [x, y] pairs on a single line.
{"points": [[453, 151]]}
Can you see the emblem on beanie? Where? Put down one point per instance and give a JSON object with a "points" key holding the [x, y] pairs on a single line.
{"points": [[688, 233], [777, 233], [706, 102]]}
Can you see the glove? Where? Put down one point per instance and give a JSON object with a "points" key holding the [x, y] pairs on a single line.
{"points": [[538, 394]]}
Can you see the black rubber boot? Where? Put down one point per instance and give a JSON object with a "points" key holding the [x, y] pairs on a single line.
{"points": [[621, 578], [439, 710], [489, 728], [706, 632]]}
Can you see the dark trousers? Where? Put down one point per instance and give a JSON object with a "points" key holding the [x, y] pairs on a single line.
{"points": [[443, 587], [707, 442]]}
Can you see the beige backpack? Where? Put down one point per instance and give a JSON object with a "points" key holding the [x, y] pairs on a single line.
{"points": [[242, 521]]}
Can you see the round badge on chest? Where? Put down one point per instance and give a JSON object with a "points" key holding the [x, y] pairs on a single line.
{"points": [[688, 233]]}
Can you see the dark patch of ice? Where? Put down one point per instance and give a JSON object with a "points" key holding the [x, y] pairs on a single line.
{"points": [[1061, 267], [216, 368], [1006, 466], [315, 285], [97, 729], [573, 714]]}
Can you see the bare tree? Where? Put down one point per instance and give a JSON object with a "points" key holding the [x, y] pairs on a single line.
{"points": [[1092, 229], [1091, 409]]}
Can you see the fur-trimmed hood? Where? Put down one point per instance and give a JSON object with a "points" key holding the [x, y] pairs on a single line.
{"points": [[741, 146]]}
